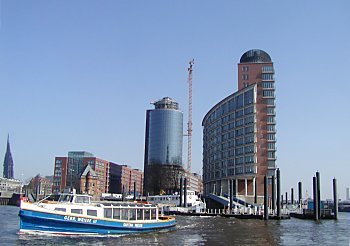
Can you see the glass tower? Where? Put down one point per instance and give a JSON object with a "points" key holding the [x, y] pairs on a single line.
{"points": [[163, 146], [164, 133]]}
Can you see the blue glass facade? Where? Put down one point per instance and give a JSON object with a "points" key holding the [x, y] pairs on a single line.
{"points": [[165, 136]]}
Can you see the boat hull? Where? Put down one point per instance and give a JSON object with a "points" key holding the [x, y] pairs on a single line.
{"points": [[34, 221]]}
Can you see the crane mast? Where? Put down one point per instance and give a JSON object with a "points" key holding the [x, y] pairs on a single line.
{"points": [[189, 124]]}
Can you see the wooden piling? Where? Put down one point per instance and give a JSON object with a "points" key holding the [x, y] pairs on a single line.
{"points": [[279, 193], [181, 193], [300, 193], [266, 196], [273, 193], [314, 182], [335, 197], [231, 195], [318, 182], [185, 192]]}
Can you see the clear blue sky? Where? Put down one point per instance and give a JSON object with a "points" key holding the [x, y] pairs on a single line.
{"points": [[79, 75]]}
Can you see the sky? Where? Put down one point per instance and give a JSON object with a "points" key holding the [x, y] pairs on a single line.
{"points": [[80, 75]]}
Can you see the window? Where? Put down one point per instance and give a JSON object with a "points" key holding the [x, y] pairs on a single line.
{"points": [[271, 154], [268, 93], [239, 151], [249, 159], [270, 110], [249, 149], [267, 68], [271, 146], [268, 85], [248, 97], [76, 211], [239, 160], [267, 76], [60, 209], [270, 102], [108, 212], [239, 122], [249, 129], [249, 110], [239, 132], [270, 119], [249, 120], [270, 128], [245, 68], [245, 77], [92, 212], [270, 136]]}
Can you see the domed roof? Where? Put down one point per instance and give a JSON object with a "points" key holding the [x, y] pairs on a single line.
{"points": [[255, 56]]}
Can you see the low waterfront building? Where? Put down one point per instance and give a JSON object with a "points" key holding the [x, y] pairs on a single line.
{"points": [[195, 182], [39, 186], [9, 186], [105, 176]]}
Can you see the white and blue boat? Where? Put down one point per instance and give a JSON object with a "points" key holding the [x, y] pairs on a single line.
{"points": [[76, 214]]}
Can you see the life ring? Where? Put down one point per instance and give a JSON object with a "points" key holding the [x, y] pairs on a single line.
{"points": [[190, 197]]}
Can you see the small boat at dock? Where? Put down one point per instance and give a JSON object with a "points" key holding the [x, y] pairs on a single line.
{"points": [[76, 214]]}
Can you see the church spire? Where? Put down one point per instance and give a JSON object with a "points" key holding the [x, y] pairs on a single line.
{"points": [[8, 161]]}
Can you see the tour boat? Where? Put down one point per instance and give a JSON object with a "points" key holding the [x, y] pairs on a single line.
{"points": [[76, 214]]}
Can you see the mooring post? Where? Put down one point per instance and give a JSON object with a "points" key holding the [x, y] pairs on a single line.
{"points": [[335, 197], [123, 193], [314, 182], [279, 193], [185, 192], [292, 196], [231, 195], [134, 190], [286, 199], [266, 196], [256, 191], [273, 194], [318, 179], [181, 193], [300, 193]]}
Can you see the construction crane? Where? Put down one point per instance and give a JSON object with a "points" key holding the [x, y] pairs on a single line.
{"points": [[189, 124]]}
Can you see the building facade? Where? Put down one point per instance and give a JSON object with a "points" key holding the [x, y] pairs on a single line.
{"points": [[163, 147], [8, 162], [97, 176], [239, 132], [9, 186]]}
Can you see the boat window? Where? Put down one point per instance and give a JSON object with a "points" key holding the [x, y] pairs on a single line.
{"points": [[116, 213], [132, 214], [92, 212], [147, 214], [139, 214], [65, 198], [108, 213], [153, 214], [60, 209], [82, 199], [124, 214], [76, 211]]}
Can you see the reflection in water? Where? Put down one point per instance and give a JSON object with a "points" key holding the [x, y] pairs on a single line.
{"points": [[197, 231]]}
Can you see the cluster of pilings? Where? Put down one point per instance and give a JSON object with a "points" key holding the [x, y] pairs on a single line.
{"points": [[317, 212], [183, 192], [276, 188]]}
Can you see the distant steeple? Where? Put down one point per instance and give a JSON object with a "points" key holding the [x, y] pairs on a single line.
{"points": [[8, 162]]}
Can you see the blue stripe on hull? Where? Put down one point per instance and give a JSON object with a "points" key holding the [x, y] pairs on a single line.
{"points": [[38, 221]]}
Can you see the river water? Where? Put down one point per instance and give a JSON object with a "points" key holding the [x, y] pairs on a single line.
{"points": [[198, 231]]}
